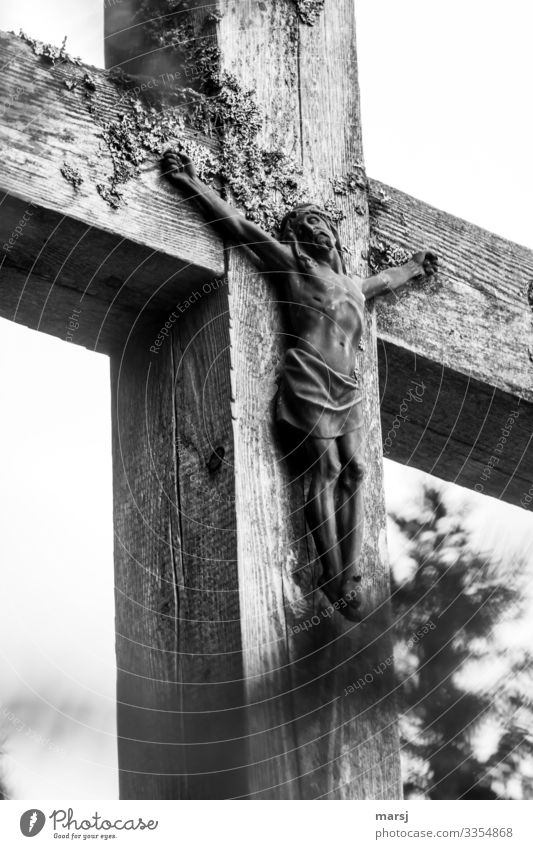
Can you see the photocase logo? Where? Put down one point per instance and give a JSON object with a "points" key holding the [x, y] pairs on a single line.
{"points": [[32, 822]]}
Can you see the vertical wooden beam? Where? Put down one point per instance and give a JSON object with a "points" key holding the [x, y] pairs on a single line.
{"points": [[178, 635], [310, 735], [179, 654], [259, 43], [147, 570], [309, 731]]}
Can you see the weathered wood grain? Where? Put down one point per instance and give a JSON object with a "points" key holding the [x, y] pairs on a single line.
{"points": [[476, 317], [212, 669], [270, 528], [309, 734], [63, 312], [455, 427], [352, 741], [220, 692], [176, 551], [306, 737], [148, 572], [145, 255], [178, 634], [466, 339], [483, 299]]}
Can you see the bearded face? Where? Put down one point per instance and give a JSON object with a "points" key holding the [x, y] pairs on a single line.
{"points": [[314, 232], [312, 236]]}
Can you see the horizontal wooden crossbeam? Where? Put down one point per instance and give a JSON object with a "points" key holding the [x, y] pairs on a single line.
{"points": [[455, 427], [76, 267], [476, 317], [465, 341], [65, 246]]}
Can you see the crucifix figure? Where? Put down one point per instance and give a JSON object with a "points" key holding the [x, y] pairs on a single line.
{"points": [[318, 393], [230, 680]]}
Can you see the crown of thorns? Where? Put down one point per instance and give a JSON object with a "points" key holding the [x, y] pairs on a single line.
{"points": [[288, 235], [295, 213]]}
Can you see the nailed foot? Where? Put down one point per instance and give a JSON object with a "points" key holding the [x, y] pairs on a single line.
{"points": [[344, 593]]}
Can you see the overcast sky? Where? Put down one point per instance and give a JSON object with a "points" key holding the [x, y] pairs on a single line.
{"points": [[446, 91]]}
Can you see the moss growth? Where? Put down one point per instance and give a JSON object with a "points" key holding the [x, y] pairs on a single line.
{"points": [[377, 199], [529, 294], [263, 181], [381, 197], [346, 184], [49, 52], [309, 10], [89, 82], [136, 134], [71, 175], [383, 255]]}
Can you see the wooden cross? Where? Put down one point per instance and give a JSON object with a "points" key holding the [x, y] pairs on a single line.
{"points": [[234, 677]]}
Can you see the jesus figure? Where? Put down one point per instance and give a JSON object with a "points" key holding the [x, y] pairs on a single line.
{"points": [[318, 393]]}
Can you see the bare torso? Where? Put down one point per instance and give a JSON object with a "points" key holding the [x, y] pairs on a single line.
{"points": [[326, 311]]}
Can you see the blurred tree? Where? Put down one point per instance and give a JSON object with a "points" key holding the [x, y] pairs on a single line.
{"points": [[3, 791], [446, 609], [511, 765]]}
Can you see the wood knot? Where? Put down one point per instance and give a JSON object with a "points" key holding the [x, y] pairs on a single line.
{"points": [[215, 461], [530, 294]]}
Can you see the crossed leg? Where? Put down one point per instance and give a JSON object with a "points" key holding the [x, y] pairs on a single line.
{"points": [[334, 514]]}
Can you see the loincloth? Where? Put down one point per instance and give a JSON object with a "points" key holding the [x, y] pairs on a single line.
{"points": [[316, 399]]}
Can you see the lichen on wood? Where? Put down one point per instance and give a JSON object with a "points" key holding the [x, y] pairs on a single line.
{"points": [[263, 181], [378, 199], [49, 52], [345, 184], [89, 82], [529, 296], [382, 255], [309, 11], [71, 175], [137, 133]]}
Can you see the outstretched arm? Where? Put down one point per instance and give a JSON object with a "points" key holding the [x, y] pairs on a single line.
{"points": [[179, 169], [422, 265]]}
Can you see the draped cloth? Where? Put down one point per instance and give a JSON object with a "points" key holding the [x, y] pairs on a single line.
{"points": [[315, 398]]}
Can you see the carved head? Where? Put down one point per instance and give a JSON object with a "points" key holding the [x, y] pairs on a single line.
{"points": [[310, 232]]}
